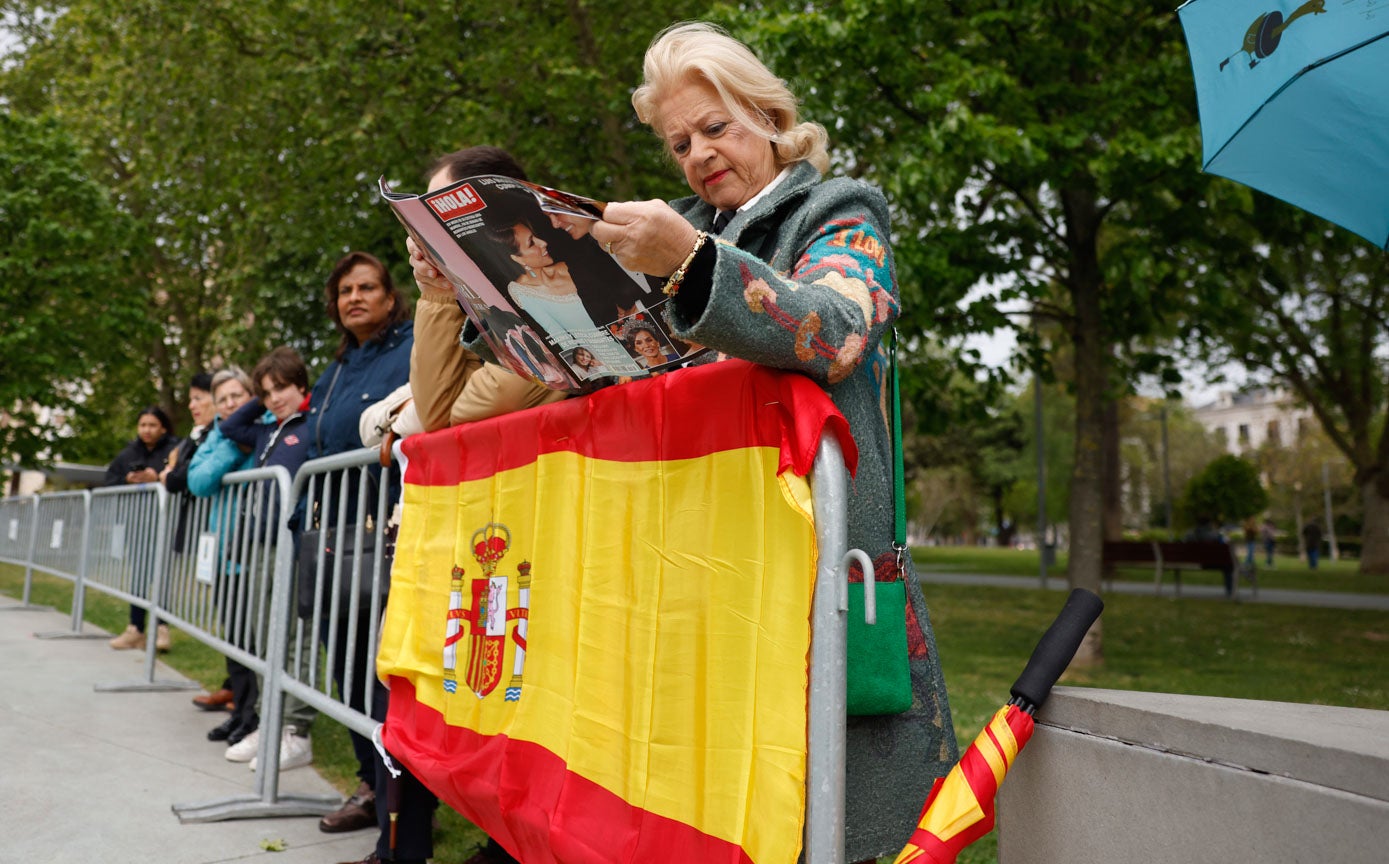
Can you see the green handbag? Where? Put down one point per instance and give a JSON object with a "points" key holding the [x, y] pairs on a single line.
{"points": [[879, 676]]}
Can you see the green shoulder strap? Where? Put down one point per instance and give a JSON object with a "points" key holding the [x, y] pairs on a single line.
{"points": [[899, 483]]}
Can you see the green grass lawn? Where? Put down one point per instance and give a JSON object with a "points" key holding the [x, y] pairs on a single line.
{"points": [[1204, 647], [1287, 572]]}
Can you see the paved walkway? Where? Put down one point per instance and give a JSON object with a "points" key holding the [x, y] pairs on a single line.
{"points": [[1275, 596], [90, 777]]}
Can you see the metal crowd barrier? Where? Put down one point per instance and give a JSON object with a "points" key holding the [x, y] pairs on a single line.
{"points": [[60, 519], [229, 587], [18, 533], [225, 571]]}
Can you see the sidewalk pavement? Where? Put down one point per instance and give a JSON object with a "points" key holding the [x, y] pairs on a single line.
{"points": [[91, 776], [1244, 594]]}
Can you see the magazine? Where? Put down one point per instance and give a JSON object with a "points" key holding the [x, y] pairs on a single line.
{"points": [[550, 303]]}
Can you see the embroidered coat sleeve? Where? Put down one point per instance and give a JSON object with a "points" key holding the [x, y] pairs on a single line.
{"points": [[823, 298]]}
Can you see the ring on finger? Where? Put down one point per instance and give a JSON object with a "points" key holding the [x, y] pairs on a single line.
{"points": [[608, 246]]}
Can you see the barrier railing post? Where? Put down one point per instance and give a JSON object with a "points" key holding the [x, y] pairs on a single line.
{"points": [[825, 761], [28, 561], [59, 536], [266, 801], [150, 545]]}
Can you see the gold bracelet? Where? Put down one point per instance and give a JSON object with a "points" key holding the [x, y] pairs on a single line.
{"points": [[673, 283]]}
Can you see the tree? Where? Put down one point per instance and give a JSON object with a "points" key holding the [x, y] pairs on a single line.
{"points": [[1310, 311], [1190, 448], [1226, 491], [64, 262], [244, 139], [1048, 153]]}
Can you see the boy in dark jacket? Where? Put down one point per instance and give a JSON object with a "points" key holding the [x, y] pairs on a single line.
{"points": [[275, 428]]}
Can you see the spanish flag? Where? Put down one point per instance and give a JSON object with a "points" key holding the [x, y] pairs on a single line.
{"points": [[598, 626]]}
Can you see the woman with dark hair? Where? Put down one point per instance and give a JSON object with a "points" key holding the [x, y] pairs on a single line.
{"points": [[372, 360], [141, 461], [645, 344], [545, 290], [373, 355]]}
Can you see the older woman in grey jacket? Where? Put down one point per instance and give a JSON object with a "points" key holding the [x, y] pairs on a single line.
{"points": [[770, 262]]}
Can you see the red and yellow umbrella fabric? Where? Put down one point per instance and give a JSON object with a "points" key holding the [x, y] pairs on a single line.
{"points": [[960, 808]]}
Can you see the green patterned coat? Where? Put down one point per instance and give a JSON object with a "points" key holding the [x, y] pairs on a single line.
{"points": [[804, 280]]}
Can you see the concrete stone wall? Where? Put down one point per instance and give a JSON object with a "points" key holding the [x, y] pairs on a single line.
{"points": [[1115, 777]]}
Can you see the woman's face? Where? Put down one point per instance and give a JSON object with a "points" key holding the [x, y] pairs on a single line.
{"points": [[200, 406], [647, 346], [725, 162], [230, 395], [280, 399], [149, 429], [582, 358], [363, 302], [531, 252]]}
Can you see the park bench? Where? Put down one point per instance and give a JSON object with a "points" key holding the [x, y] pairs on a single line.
{"points": [[1178, 556]]}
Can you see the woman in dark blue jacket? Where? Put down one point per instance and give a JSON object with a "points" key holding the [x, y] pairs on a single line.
{"points": [[373, 359], [373, 355]]}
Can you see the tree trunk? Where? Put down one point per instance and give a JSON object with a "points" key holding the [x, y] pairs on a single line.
{"points": [[1112, 524], [1087, 333], [1374, 536]]}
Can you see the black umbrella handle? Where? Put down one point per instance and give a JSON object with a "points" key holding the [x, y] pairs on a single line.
{"points": [[1054, 652]]}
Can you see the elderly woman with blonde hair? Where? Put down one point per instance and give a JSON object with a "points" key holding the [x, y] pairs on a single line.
{"points": [[773, 263]]}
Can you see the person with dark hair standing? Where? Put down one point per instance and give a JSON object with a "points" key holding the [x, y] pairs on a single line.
{"points": [[450, 383], [372, 360], [141, 461]]}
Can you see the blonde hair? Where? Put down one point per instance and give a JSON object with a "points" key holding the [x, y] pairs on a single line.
{"points": [[232, 373], [696, 50]]}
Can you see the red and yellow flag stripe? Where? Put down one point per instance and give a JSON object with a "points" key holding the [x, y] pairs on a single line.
{"points": [[659, 669]]}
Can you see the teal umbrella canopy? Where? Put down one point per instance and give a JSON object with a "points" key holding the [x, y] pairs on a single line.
{"points": [[1294, 101]]}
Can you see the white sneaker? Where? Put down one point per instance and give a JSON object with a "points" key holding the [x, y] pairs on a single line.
{"points": [[296, 751], [245, 749]]}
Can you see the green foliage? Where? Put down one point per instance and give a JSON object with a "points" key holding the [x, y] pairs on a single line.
{"points": [[1227, 490], [65, 265], [243, 140]]}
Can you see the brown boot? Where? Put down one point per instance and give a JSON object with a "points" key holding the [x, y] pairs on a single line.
{"points": [[131, 638], [162, 640], [356, 813], [217, 700]]}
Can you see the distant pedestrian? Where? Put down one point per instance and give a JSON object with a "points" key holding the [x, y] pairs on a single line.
{"points": [[1311, 537], [1251, 541], [1269, 533]]}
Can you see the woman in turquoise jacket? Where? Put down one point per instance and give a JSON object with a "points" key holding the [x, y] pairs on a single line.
{"points": [[217, 457]]}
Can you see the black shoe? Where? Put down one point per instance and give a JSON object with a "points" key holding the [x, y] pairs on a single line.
{"points": [[224, 731], [241, 732]]}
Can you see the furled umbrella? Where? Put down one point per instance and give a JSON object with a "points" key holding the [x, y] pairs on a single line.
{"points": [[960, 807], [1293, 102]]}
